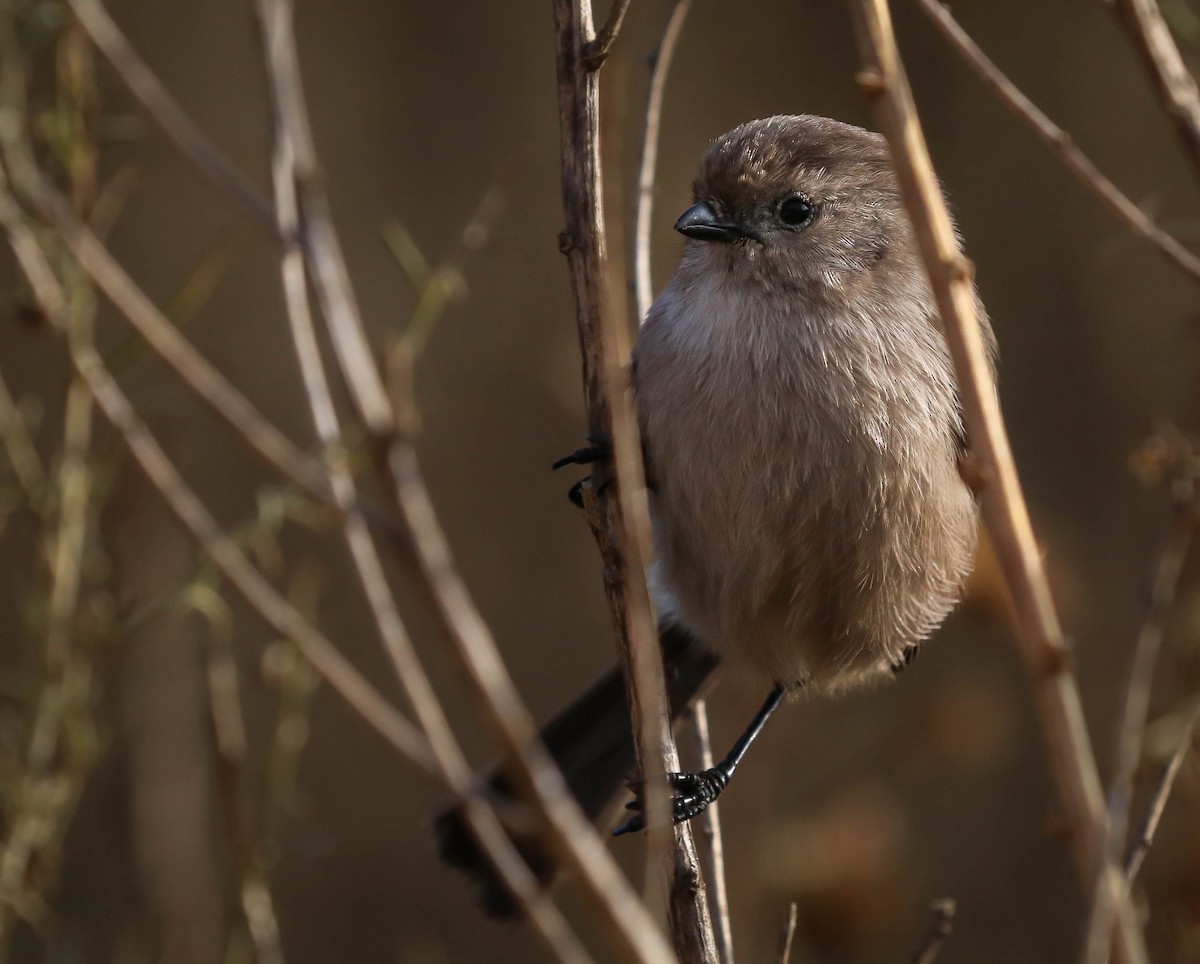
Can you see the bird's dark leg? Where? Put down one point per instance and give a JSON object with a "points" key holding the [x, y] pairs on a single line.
{"points": [[695, 791]]}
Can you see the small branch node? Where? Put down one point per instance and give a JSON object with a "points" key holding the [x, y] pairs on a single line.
{"points": [[872, 83]]}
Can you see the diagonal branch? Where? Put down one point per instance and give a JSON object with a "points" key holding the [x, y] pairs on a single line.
{"points": [[144, 84], [1042, 645], [193, 368], [1158, 803], [1132, 727], [545, 917], [285, 619], [597, 49], [1176, 86], [257, 591], [1058, 140]]}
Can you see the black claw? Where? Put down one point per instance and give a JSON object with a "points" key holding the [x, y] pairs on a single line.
{"points": [[575, 494], [906, 658], [599, 450]]}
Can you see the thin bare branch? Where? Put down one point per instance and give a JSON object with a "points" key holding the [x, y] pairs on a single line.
{"points": [[709, 845], [1158, 803], [648, 167], [940, 925], [229, 749], [54, 767], [248, 581], [323, 251], [1042, 645], [193, 368], [568, 832], [22, 235], [18, 445], [144, 84], [622, 527], [1058, 140], [549, 923], [597, 50], [42, 803], [787, 934], [281, 615], [1131, 732], [1176, 86]]}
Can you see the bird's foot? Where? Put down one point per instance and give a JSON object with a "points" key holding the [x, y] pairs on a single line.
{"points": [[693, 792], [597, 450], [905, 660]]}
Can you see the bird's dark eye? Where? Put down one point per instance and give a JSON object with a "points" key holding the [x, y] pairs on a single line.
{"points": [[797, 211]]}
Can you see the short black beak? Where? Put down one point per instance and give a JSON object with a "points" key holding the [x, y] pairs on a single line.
{"points": [[700, 222]]}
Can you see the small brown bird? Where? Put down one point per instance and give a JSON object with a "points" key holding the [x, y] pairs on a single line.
{"points": [[803, 434]]}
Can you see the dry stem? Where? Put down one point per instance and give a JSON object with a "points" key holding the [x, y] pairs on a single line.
{"points": [[787, 934], [1058, 140], [648, 168], [196, 371], [1176, 87], [940, 926], [1158, 804], [549, 923], [1042, 645], [232, 562], [596, 52], [568, 833], [710, 845], [1130, 734], [144, 84], [623, 528]]}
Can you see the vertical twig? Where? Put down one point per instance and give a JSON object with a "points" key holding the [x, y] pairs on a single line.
{"points": [[1042, 645], [622, 527], [710, 846], [57, 754], [246, 421], [648, 167]]}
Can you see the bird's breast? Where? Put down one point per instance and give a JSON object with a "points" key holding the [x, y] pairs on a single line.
{"points": [[799, 461]]}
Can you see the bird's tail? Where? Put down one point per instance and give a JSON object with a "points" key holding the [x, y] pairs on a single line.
{"points": [[591, 741]]}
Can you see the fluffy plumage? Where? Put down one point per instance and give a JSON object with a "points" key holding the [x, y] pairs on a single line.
{"points": [[800, 416]]}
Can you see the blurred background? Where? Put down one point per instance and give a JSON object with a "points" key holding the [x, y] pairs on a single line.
{"points": [[861, 809]]}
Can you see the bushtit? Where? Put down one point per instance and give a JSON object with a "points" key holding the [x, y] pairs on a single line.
{"points": [[803, 434]]}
